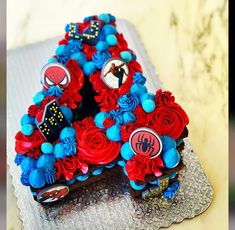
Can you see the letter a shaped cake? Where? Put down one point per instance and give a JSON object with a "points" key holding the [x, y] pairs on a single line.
{"points": [[94, 117]]}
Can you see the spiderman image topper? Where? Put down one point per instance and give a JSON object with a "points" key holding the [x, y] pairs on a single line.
{"points": [[55, 74], [52, 193], [145, 142]]}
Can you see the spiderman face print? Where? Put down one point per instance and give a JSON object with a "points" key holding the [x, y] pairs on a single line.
{"points": [[55, 74], [145, 142]]}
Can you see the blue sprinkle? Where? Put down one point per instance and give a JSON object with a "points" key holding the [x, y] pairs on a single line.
{"points": [[102, 45], [124, 170], [113, 133], [135, 186], [70, 182], [126, 56], [47, 148], [99, 119], [172, 175], [148, 105], [83, 177], [121, 163], [111, 40], [109, 166], [80, 58], [126, 151], [109, 29], [27, 129], [89, 68], [154, 182], [104, 17], [97, 171], [51, 60]]}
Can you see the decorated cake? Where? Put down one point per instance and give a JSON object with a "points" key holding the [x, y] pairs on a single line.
{"points": [[95, 118]]}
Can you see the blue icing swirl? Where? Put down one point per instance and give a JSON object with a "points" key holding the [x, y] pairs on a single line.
{"points": [[100, 57], [54, 91], [63, 55], [18, 159], [116, 115], [74, 46], [139, 78], [69, 145], [128, 102], [50, 176], [25, 178]]}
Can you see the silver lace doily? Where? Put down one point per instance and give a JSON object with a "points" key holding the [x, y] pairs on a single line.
{"points": [[107, 204]]}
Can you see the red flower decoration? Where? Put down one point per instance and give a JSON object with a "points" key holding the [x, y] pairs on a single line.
{"points": [[88, 51], [71, 97], [138, 167], [26, 144], [33, 110], [35, 154], [108, 122], [68, 166], [168, 120], [140, 116], [126, 131], [164, 98], [95, 148]]}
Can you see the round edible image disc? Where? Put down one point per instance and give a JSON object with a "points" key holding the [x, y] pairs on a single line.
{"points": [[145, 142], [55, 74], [52, 193], [114, 73]]}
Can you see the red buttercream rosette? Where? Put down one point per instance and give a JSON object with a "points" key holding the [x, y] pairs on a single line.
{"points": [[94, 147]]}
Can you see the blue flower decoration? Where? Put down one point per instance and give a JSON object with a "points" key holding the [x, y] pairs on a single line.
{"points": [[54, 91], [128, 102], [50, 176], [139, 78], [100, 57], [25, 178], [69, 145], [74, 46], [171, 191], [62, 58], [18, 159], [116, 115]]}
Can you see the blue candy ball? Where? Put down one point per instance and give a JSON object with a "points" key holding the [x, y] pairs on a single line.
{"points": [[38, 98], [167, 143], [46, 161], [109, 29], [70, 182], [26, 119], [124, 170], [51, 60], [113, 133], [80, 58], [121, 163], [172, 175], [59, 151], [154, 182], [27, 129], [97, 171], [37, 178], [135, 186], [47, 148], [67, 112], [148, 105], [171, 158], [147, 96], [99, 119], [104, 17], [27, 164], [111, 40], [83, 177], [89, 68], [126, 56], [109, 166], [138, 89], [128, 117], [126, 151], [102, 45], [67, 132], [60, 50]]}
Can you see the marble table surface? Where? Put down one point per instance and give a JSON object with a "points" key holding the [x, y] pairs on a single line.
{"points": [[187, 44]]}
